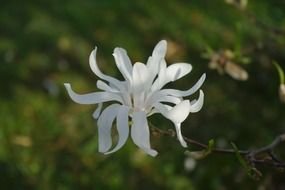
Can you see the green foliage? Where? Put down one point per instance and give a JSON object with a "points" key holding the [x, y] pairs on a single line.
{"points": [[49, 142]]}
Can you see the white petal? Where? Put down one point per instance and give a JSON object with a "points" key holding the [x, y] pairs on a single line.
{"points": [[105, 123], [177, 71], [103, 86], [152, 111], [122, 127], [124, 94], [193, 102], [162, 77], [166, 110], [177, 114], [140, 77], [165, 99], [140, 133], [157, 95], [94, 67], [139, 84], [180, 112], [97, 112], [154, 98], [187, 92], [170, 99], [92, 98], [179, 134], [197, 105], [158, 54], [160, 49], [123, 63], [170, 74]]}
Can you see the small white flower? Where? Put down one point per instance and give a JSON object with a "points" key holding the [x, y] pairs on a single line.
{"points": [[139, 96]]}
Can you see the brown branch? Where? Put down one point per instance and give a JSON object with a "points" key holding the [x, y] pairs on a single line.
{"points": [[251, 156], [196, 143]]}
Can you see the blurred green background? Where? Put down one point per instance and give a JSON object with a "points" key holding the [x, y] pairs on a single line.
{"points": [[49, 142]]}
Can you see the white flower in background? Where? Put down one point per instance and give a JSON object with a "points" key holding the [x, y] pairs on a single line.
{"points": [[137, 97]]}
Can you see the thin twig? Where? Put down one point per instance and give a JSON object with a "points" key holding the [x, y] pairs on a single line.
{"points": [[196, 143], [249, 155]]}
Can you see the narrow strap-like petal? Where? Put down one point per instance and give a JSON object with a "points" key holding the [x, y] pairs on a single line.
{"points": [[177, 114], [160, 49], [94, 67], [197, 105], [170, 74], [189, 92], [123, 63], [156, 96], [103, 86], [165, 99], [97, 112], [92, 98], [125, 96], [152, 111], [162, 77], [171, 99], [105, 123], [140, 77], [140, 133], [179, 134], [177, 71], [122, 127], [139, 83], [158, 54]]}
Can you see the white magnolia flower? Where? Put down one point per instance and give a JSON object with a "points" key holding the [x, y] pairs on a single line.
{"points": [[137, 97]]}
